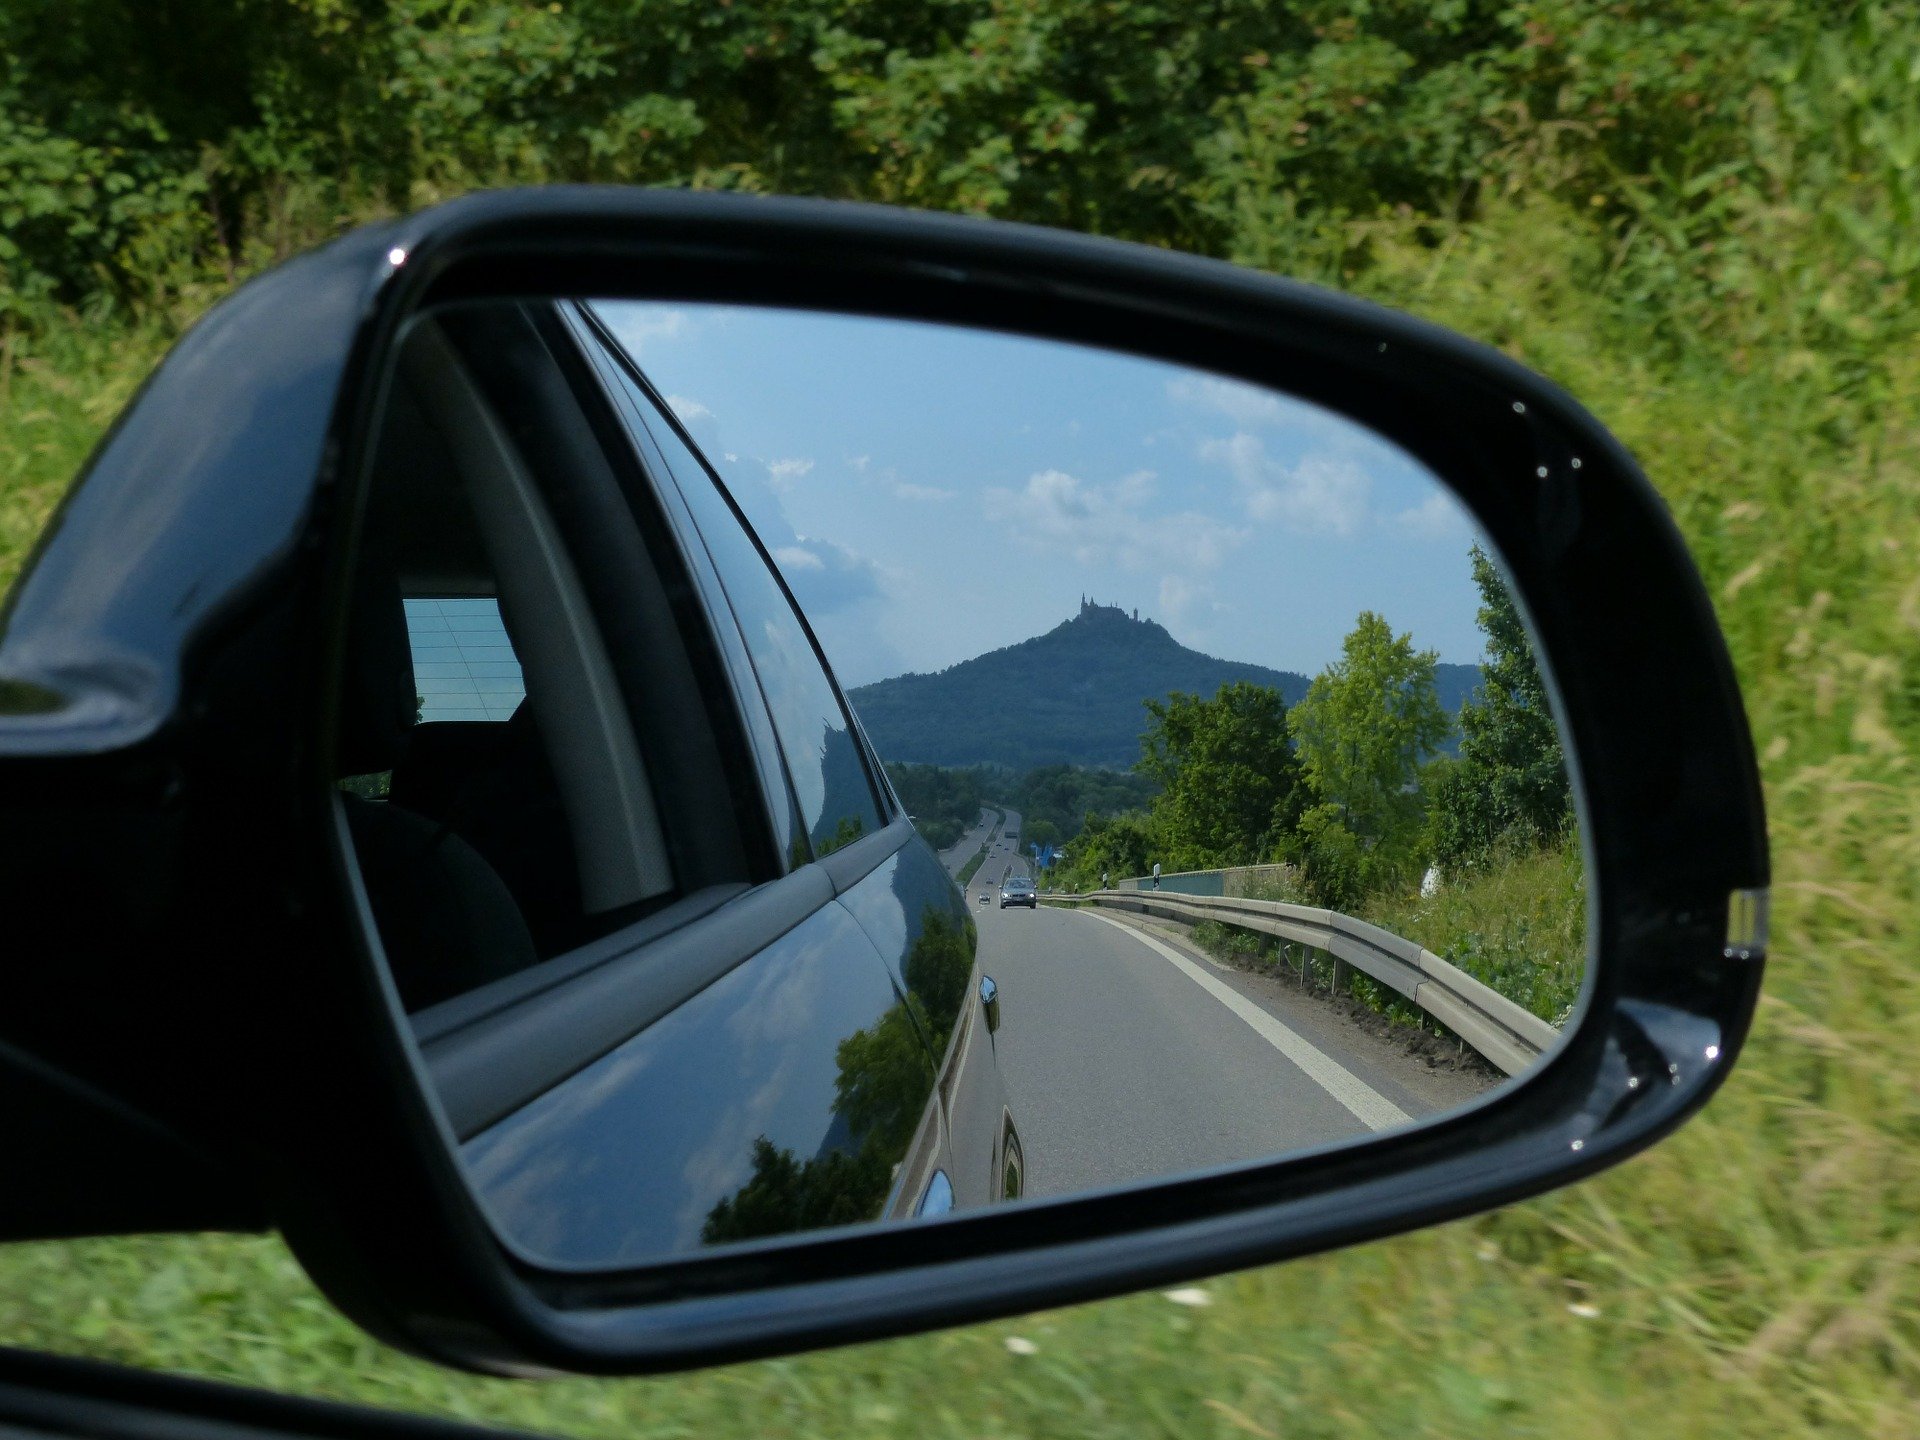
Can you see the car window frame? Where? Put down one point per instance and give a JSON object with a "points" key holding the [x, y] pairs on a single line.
{"points": [[497, 1047], [885, 803]]}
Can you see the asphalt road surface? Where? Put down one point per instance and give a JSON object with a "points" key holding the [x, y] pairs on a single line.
{"points": [[1003, 855], [1128, 1055], [955, 856]]}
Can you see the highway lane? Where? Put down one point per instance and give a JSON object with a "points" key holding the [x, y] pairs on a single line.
{"points": [[1129, 1057], [956, 855], [1003, 857]]}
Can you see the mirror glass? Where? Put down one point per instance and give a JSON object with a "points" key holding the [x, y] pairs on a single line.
{"points": [[808, 770]]}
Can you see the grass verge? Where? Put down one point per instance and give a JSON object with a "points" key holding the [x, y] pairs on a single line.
{"points": [[1754, 1276], [971, 868]]}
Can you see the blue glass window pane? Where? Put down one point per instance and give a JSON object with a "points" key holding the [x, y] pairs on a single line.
{"points": [[464, 667]]}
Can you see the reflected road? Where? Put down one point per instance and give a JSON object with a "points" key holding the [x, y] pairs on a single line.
{"points": [[1128, 1055]]}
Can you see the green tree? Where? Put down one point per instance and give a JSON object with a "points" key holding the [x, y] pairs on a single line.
{"points": [[1062, 796], [938, 970], [1510, 783], [1117, 848], [944, 802], [787, 1194], [1367, 725], [1227, 773]]}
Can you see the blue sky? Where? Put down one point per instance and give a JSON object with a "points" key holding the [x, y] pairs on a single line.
{"points": [[931, 492]]}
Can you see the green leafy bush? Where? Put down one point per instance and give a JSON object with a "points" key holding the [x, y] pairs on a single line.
{"points": [[1699, 218]]}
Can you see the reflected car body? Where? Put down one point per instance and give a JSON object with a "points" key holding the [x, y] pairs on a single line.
{"points": [[835, 1065]]}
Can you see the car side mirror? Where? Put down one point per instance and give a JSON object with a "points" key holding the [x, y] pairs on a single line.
{"points": [[437, 821]]}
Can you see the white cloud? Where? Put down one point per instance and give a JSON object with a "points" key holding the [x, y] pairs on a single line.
{"points": [[784, 473], [907, 491], [860, 462], [1177, 596], [1438, 517], [1106, 524], [1321, 494], [688, 409], [638, 325], [795, 557], [1240, 402]]}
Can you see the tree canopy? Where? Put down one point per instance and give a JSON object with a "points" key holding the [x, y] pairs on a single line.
{"points": [[1510, 783], [1370, 720], [1229, 782]]}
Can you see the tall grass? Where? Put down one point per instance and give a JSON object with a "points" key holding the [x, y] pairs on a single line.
{"points": [[1519, 926], [1752, 336], [59, 389]]}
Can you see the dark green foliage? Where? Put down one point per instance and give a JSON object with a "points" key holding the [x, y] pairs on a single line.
{"points": [[1230, 786], [1042, 833], [1699, 217], [787, 1194], [944, 802], [937, 969], [1116, 848], [1073, 696], [884, 1082], [1509, 787], [147, 149], [1054, 801], [846, 830], [880, 1095]]}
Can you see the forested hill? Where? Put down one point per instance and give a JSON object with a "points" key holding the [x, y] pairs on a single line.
{"points": [[1074, 695]]}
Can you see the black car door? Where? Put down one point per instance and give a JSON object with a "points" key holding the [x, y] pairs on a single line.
{"points": [[883, 1149], [607, 895], [889, 879]]}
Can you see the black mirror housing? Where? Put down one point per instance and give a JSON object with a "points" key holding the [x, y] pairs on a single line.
{"points": [[198, 1010]]}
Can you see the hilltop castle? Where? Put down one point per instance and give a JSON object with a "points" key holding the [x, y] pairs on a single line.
{"points": [[1088, 606]]}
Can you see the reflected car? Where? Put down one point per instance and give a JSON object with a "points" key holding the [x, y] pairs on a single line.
{"points": [[587, 841]]}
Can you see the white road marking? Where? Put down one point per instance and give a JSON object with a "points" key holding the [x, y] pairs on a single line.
{"points": [[1368, 1105]]}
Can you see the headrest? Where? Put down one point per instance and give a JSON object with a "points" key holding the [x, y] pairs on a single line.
{"points": [[378, 702]]}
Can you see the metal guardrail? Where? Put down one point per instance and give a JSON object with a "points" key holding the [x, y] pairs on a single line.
{"points": [[1233, 881], [1509, 1037]]}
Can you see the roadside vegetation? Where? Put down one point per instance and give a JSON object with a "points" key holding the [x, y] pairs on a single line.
{"points": [[1698, 218], [1051, 800], [944, 803], [971, 868], [1473, 855]]}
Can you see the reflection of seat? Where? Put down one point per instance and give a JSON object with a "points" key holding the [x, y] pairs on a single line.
{"points": [[492, 785], [447, 922]]}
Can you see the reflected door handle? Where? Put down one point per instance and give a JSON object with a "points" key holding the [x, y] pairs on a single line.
{"points": [[990, 1002]]}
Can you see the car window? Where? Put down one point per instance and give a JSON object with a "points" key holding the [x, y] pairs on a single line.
{"points": [[830, 777], [499, 700], [464, 667]]}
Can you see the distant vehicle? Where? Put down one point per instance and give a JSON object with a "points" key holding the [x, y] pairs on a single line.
{"points": [[1019, 890], [985, 899]]}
